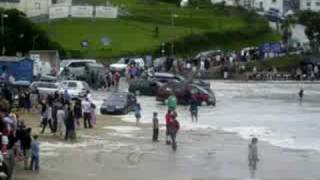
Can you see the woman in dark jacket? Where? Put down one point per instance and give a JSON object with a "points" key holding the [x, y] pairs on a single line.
{"points": [[77, 110], [70, 127]]}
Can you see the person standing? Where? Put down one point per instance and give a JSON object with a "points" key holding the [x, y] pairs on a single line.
{"points": [[60, 120], [35, 154], [26, 147], [194, 110], [77, 110], [253, 156], [172, 102], [86, 109], [301, 94], [137, 113], [174, 127], [70, 128], [155, 122], [168, 118], [66, 97]]}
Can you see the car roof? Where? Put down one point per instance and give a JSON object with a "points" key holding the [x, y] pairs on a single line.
{"points": [[164, 74]]}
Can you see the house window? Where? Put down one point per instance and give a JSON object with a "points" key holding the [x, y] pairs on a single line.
{"points": [[317, 3], [274, 1], [309, 4], [38, 6]]}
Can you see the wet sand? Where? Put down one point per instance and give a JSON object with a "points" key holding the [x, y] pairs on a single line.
{"points": [[120, 150]]}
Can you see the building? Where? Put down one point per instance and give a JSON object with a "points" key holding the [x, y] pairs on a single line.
{"points": [[227, 2], [313, 5], [32, 8]]}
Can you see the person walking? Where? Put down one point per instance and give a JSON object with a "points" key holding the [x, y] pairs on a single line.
{"points": [[155, 123], [174, 127], [35, 154], [137, 113], [26, 147], [194, 110], [60, 120], [253, 156], [86, 110], [47, 118]]}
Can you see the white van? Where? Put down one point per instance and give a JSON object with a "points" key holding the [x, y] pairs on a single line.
{"points": [[76, 67]]}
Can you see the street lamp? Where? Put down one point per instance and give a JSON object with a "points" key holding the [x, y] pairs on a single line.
{"points": [[3, 16], [173, 25]]}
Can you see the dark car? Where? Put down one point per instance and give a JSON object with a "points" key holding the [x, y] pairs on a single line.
{"points": [[184, 91], [118, 103], [168, 77], [144, 87]]}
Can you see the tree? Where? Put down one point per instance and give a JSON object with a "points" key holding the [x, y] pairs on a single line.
{"points": [[21, 35], [313, 32]]}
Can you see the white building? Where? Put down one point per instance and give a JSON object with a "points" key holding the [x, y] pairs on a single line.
{"points": [[228, 2], [265, 5], [313, 5], [32, 7]]}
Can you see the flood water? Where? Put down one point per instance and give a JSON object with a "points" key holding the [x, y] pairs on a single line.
{"points": [[270, 111]]}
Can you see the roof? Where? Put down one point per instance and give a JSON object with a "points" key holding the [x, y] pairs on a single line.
{"points": [[12, 58], [10, 1]]}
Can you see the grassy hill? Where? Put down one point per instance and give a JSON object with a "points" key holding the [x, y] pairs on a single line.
{"points": [[191, 30]]}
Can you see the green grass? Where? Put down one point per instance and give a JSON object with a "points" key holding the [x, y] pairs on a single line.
{"points": [[284, 64], [134, 34]]}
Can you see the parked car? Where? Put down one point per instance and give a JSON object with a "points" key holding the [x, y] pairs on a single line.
{"points": [[169, 77], [181, 90], [75, 67], [166, 77], [122, 64], [144, 87], [76, 89], [118, 103], [45, 88]]}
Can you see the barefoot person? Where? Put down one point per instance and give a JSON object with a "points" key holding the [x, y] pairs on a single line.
{"points": [[253, 156]]}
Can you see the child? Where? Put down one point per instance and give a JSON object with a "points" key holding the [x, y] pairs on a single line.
{"points": [[35, 153], [137, 113], [155, 122]]}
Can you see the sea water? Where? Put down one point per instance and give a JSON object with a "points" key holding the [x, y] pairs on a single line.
{"points": [[270, 111]]}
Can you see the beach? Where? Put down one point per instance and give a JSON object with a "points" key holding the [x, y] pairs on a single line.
{"points": [[120, 150], [214, 148]]}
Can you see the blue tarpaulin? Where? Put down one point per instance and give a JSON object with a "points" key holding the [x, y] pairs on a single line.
{"points": [[21, 68]]}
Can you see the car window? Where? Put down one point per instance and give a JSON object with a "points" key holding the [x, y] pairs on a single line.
{"points": [[77, 64], [194, 90], [72, 85], [85, 85]]}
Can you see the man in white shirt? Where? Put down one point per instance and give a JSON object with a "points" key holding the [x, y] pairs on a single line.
{"points": [[86, 109]]}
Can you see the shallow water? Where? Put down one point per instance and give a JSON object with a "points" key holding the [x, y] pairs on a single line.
{"points": [[268, 110]]}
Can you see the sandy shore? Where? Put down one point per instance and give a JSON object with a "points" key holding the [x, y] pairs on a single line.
{"points": [[120, 150]]}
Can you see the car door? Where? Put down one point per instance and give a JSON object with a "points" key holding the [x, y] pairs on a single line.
{"points": [[131, 99]]}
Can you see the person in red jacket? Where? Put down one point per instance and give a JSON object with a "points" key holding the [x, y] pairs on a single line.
{"points": [[173, 127], [168, 119]]}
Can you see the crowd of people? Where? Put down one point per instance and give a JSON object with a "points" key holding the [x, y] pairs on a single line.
{"points": [[63, 116]]}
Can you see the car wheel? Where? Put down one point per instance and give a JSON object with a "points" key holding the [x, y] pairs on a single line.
{"points": [[204, 103], [137, 93]]}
